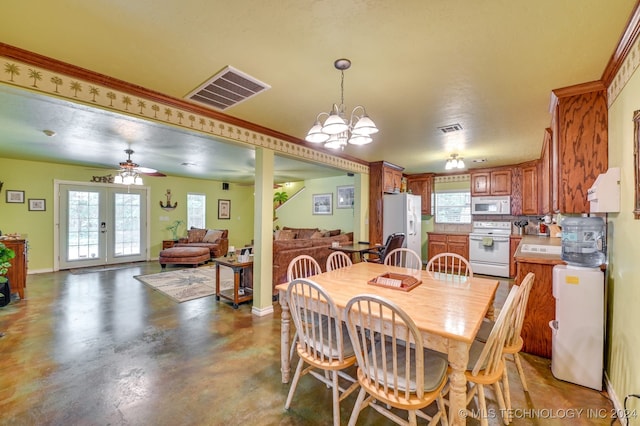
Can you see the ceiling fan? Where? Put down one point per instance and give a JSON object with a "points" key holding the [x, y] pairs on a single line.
{"points": [[129, 173]]}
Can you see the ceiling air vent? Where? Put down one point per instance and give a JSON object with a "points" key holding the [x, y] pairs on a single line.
{"points": [[227, 88], [450, 128]]}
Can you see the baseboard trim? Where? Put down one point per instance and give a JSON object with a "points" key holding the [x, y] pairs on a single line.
{"points": [[261, 312], [39, 271], [619, 408]]}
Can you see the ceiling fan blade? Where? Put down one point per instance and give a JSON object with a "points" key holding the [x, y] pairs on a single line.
{"points": [[145, 170], [156, 173]]}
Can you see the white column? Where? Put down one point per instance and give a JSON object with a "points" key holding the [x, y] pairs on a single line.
{"points": [[263, 233]]}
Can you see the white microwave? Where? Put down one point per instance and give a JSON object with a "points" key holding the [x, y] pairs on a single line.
{"points": [[491, 205]]}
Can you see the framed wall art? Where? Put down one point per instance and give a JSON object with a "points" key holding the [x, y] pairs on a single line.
{"points": [[37, 204], [15, 196], [224, 209], [322, 203], [345, 197]]}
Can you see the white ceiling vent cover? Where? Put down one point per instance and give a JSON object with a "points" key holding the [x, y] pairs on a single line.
{"points": [[227, 88]]}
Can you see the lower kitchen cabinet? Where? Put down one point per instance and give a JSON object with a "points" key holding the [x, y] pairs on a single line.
{"points": [[448, 243], [514, 241], [541, 308]]}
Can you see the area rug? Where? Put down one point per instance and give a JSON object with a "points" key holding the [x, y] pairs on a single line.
{"points": [[190, 283]]}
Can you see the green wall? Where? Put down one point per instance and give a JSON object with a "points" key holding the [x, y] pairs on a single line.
{"points": [[297, 212], [623, 331], [37, 180]]}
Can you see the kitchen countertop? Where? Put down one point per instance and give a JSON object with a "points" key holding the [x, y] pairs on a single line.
{"points": [[550, 259]]}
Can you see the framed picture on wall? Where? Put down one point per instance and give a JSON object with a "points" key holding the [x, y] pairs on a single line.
{"points": [[322, 203], [224, 209], [15, 196], [345, 197], [37, 204]]}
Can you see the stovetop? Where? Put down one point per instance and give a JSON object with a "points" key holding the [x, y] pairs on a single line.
{"points": [[491, 228]]}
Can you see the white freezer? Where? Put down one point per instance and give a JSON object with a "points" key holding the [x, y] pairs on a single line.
{"points": [[577, 344]]}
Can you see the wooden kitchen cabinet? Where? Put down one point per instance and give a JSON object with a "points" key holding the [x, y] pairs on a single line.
{"points": [[530, 190], [17, 273], [545, 174], [422, 185], [579, 148], [514, 241], [494, 182], [383, 176], [447, 243]]}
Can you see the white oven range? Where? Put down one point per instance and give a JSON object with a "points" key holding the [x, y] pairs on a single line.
{"points": [[489, 248]]}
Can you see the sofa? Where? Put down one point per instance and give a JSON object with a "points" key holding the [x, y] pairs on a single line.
{"points": [[292, 242], [216, 240]]}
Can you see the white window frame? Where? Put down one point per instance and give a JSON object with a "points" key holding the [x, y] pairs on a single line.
{"points": [[464, 218], [196, 215]]}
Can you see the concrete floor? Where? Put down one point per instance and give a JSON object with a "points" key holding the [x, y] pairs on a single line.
{"points": [[102, 348]]}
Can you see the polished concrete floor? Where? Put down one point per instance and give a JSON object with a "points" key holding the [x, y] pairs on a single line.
{"points": [[102, 348]]}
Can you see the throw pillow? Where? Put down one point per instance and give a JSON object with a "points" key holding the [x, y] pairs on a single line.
{"points": [[212, 236], [304, 233], [334, 232], [286, 235], [317, 234], [195, 235]]}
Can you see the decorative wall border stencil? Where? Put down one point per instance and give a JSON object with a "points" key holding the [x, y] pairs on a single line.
{"points": [[39, 79], [452, 178]]}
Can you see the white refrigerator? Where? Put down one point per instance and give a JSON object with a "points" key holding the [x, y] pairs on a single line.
{"points": [[403, 213], [577, 342]]}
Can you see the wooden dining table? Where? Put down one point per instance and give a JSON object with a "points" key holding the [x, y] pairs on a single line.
{"points": [[448, 315]]}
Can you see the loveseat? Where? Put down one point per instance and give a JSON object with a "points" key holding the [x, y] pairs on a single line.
{"points": [[310, 241], [216, 240]]}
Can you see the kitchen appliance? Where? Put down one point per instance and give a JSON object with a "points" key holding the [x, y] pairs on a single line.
{"points": [[583, 241], [489, 248], [491, 205], [577, 342], [402, 213]]}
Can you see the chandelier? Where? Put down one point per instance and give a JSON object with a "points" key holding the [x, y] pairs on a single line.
{"points": [[128, 173], [454, 163], [337, 131]]}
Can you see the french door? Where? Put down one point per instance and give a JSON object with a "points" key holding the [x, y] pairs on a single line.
{"points": [[101, 225]]}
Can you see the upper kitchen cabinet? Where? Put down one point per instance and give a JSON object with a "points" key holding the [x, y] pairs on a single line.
{"points": [[422, 185], [496, 182], [530, 205], [579, 148], [545, 173], [383, 177]]}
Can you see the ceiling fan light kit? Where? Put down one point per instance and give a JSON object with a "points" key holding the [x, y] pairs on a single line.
{"points": [[337, 131], [129, 173]]}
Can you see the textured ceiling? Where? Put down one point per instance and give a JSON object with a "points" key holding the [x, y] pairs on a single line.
{"points": [[417, 65]]}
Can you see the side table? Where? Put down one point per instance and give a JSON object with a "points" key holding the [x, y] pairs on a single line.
{"points": [[168, 243], [239, 293]]}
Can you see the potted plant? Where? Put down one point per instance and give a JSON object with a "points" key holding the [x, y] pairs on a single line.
{"points": [[6, 254], [174, 228]]}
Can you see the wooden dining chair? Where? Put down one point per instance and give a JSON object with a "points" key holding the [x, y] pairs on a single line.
{"points": [[323, 341], [394, 368], [337, 260], [302, 266], [405, 258], [450, 267], [486, 364], [513, 343]]}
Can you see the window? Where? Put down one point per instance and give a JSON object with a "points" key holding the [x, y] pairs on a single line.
{"points": [[453, 206], [196, 210]]}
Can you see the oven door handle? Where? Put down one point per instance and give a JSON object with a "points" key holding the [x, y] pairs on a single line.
{"points": [[498, 239]]}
